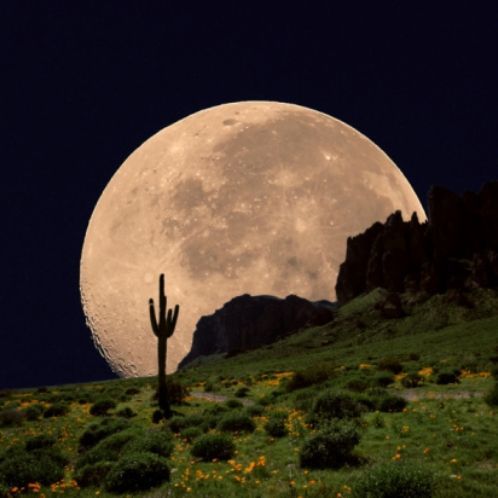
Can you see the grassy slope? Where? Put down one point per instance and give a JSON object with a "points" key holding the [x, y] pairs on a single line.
{"points": [[456, 438]]}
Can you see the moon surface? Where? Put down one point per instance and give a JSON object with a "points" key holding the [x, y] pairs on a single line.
{"points": [[250, 197]]}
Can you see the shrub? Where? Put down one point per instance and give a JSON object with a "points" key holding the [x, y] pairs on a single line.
{"points": [[444, 378], [316, 374], [384, 379], [93, 474], [177, 392], [97, 431], [191, 433], [152, 441], [491, 397], [391, 365], [336, 404], [233, 403], [211, 446], [255, 410], [37, 442], [108, 449], [412, 380], [236, 422], [392, 404], [275, 426], [176, 424], [102, 406], [126, 412], [18, 467], [414, 356], [157, 416], [215, 409], [137, 472], [330, 448], [131, 391], [11, 417], [357, 385], [242, 392], [395, 480], [33, 412], [58, 409]]}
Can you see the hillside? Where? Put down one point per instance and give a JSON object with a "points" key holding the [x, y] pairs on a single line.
{"points": [[270, 403]]}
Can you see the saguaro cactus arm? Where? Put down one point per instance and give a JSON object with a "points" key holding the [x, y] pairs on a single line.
{"points": [[167, 322]]}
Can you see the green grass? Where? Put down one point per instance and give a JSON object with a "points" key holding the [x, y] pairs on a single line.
{"points": [[454, 437]]}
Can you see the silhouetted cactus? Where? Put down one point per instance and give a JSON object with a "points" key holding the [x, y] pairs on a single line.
{"points": [[163, 327]]}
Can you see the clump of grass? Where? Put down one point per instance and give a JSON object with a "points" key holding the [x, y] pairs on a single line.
{"points": [[101, 407], [97, 431], [395, 479], [332, 447], [58, 409], [275, 425], [391, 365], [11, 417], [335, 405], [213, 446], [236, 422], [444, 378], [137, 472], [313, 375]]}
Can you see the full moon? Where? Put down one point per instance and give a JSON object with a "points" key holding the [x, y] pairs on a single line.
{"points": [[250, 197]]}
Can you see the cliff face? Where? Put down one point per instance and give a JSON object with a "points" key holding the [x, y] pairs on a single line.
{"points": [[457, 248], [247, 322]]}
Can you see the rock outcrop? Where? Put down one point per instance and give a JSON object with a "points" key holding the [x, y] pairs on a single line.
{"points": [[456, 248], [247, 322]]}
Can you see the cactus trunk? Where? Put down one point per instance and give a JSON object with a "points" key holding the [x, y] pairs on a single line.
{"points": [[163, 328]]}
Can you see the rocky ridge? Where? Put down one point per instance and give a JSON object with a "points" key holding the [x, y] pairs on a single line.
{"points": [[457, 248], [248, 322]]}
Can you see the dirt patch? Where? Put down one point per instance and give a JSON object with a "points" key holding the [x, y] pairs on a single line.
{"points": [[415, 395]]}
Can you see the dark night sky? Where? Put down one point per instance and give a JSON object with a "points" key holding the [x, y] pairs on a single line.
{"points": [[84, 83]]}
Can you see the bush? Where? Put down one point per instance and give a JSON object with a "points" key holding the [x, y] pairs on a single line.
{"points": [[97, 431], [126, 412], [384, 379], [255, 410], [213, 446], [336, 404], [137, 472], [93, 474], [412, 380], [395, 480], [151, 441], [108, 449], [131, 391], [33, 412], [491, 397], [176, 424], [37, 442], [191, 433], [233, 403], [11, 417], [275, 426], [357, 385], [414, 357], [330, 448], [392, 404], [391, 365], [177, 392], [58, 409], [316, 374], [102, 406], [444, 378], [236, 422], [18, 467], [242, 392]]}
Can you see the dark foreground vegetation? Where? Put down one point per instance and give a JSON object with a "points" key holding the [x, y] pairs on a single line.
{"points": [[366, 407]]}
